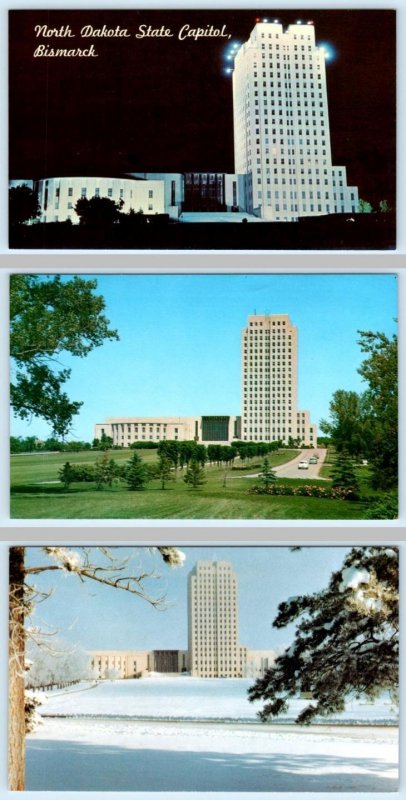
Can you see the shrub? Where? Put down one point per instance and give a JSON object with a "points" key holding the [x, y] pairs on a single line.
{"points": [[307, 490]]}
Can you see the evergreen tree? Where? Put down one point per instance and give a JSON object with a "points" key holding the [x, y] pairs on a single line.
{"points": [[267, 476], [106, 469], [163, 471], [66, 474], [136, 473], [343, 475], [346, 642], [195, 477]]}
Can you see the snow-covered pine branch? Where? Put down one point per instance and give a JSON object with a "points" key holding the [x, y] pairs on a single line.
{"points": [[346, 641]]}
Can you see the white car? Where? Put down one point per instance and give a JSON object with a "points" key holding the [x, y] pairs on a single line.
{"points": [[303, 465]]}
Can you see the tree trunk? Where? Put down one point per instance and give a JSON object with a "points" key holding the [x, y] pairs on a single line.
{"points": [[16, 731]]}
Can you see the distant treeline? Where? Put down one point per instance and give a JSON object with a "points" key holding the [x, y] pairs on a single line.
{"points": [[179, 453]]}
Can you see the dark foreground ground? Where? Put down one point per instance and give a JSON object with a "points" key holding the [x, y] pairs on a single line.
{"points": [[349, 232]]}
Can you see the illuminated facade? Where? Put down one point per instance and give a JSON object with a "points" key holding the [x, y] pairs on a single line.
{"points": [[57, 197], [281, 126]]}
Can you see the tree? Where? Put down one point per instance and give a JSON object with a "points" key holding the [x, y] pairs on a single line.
{"points": [[367, 424], [106, 470], [98, 211], [384, 507], [346, 642], [50, 316], [380, 371], [385, 207], [347, 427], [27, 445], [267, 476], [54, 662], [194, 477], [364, 206], [86, 564], [104, 443], [171, 450], [136, 473], [343, 474], [66, 474], [163, 470], [23, 205]]}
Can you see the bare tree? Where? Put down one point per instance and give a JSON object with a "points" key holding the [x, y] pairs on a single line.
{"points": [[105, 568]]}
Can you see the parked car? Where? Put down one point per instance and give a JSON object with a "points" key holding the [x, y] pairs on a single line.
{"points": [[303, 465], [313, 460]]}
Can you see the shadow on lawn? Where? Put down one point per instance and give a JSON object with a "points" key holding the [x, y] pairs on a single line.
{"points": [[43, 489], [70, 765]]}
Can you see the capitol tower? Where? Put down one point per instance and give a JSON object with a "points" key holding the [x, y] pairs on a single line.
{"points": [[281, 126], [270, 383]]}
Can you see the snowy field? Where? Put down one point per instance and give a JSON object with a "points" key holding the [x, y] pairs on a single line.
{"points": [[146, 735]]}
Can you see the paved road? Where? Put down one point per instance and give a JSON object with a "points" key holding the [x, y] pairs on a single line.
{"points": [[290, 469]]}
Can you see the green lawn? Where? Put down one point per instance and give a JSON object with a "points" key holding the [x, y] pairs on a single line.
{"points": [[37, 494]]}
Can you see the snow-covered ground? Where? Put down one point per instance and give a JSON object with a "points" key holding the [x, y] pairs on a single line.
{"points": [[112, 749], [192, 699]]}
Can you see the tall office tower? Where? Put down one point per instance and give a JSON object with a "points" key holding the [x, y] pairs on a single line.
{"points": [[214, 650], [269, 382], [281, 126]]}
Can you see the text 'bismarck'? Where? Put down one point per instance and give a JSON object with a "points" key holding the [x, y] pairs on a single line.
{"points": [[186, 32]]}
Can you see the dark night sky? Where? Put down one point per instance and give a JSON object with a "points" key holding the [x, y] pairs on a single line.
{"points": [[166, 105]]}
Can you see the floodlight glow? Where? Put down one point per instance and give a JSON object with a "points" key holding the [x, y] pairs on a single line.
{"points": [[276, 20], [328, 51], [298, 22], [265, 20]]}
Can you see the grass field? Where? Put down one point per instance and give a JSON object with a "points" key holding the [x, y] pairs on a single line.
{"points": [[36, 493]]}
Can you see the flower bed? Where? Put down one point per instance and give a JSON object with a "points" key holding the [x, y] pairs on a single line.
{"points": [[307, 490]]}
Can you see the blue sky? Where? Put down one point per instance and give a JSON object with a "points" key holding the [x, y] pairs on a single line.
{"points": [[98, 617], [180, 339]]}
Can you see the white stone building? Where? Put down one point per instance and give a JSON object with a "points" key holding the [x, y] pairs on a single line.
{"points": [[281, 126], [57, 197], [174, 189], [121, 664], [214, 649], [270, 383], [208, 429]]}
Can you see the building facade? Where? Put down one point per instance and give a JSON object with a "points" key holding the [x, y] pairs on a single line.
{"points": [[214, 649], [281, 126], [125, 431], [270, 383], [122, 664], [174, 189], [57, 197]]}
